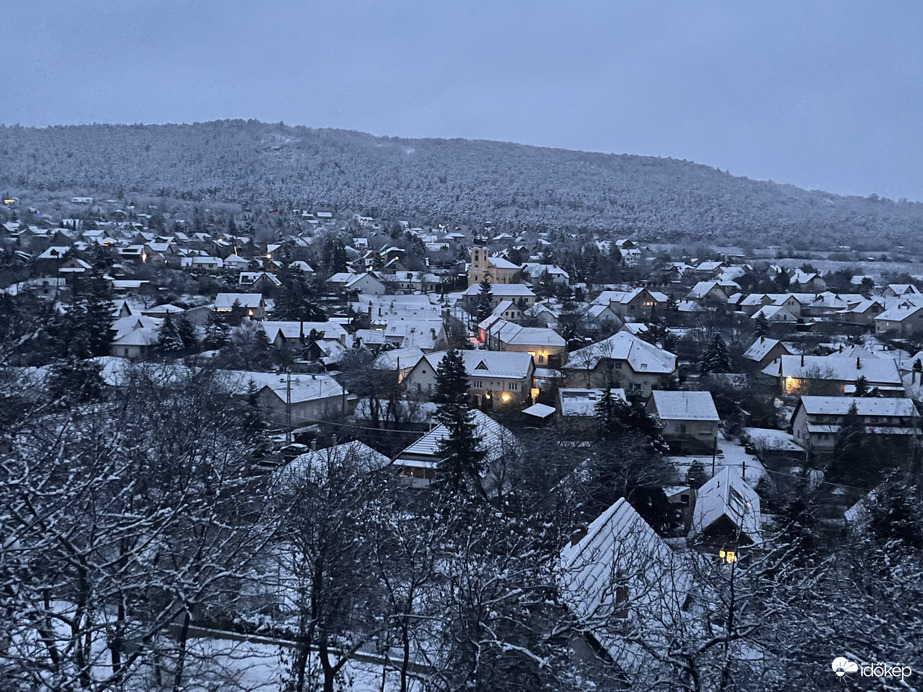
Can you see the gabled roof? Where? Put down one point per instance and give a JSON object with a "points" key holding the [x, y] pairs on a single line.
{"points": [[726, 494], [315, 465], [836, 368], [640, 355], [682, 405], [293, 329], [489, 364], [899, 313], [502, 290], [621, 551], [865, 406], [225, 301], [760, 348], [496, 441]]}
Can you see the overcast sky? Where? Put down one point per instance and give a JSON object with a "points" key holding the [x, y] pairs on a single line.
{"points": [[821, 94]]}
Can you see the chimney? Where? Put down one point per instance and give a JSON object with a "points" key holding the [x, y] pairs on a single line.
{"points": [[858, 363], [841, 348], [802, 359], [578, 535], [333, 440], [314, 445]]}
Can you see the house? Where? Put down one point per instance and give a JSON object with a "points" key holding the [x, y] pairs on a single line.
{"points": [[135, 337], [903, 320], [546, 346], [496, 378], [316, 464], [726, 516], [775, 314], [259, 281], [708, 293], [831, 375], [368, 283], [296, 334], [636, 304], [291, 401], [862, 313], [626, 588], [508, 310], [545, 274], [419, 462], [690, 420], [807, 282], [51, 259], [520, 294], [252, 304], [621, 360], [900, 290], [763, 351], [601, 318], [817, 420], [495, 270]]}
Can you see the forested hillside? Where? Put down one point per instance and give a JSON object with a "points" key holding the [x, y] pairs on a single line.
{"points": [[459, 181]]}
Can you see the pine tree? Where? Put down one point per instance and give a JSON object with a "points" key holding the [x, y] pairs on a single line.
{"points": [[695, 475], [216, 331], [484, 305], [461, 453], [851, 464], [760, 326], [169, 342], [862, 386], [187, 334], [715, 358], [75, 381]]}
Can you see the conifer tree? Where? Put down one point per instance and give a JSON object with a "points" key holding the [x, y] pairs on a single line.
{"points": [[461, 451], [216, 331], [187, 334], [169, 342], [484, 305], [760, 325], [715, 358]]}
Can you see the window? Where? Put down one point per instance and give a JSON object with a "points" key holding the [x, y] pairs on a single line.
{"points": [[541, 358], [618, 365]]}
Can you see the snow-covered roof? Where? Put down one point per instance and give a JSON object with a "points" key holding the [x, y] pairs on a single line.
{"points": [[303, 387], [640, 355], [511, 333], [539, 410], [865, 406], [315, 465], [836, 368], [726, 494], [622, 570], [489, 364], [681, 405], [225, 301], [774, 313], [899, 313], [294, 330], [577, 401], [403, 357], [760, 348], [496, 441], [770, 439], [502, 290]]}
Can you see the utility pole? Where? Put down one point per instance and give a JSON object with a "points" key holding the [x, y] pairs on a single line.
{"points": [[288, 405]]}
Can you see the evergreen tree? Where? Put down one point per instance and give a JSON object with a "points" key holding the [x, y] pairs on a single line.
{"points": [[461, 453], [760, 326], [797, 520], [896, 513], [851, 463], [187, 334], [169, 341], [216, 331], [484, 304], [75, 381], [695, 475], [715, 358], [862, 386]]}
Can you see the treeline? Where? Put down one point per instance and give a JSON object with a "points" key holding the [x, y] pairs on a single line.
{"points": [[459, 181]]}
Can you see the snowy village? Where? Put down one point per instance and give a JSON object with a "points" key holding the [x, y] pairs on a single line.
{"points": [[296, 448]]}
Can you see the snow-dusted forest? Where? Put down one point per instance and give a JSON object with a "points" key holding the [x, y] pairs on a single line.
{"points": [[437, 180]]}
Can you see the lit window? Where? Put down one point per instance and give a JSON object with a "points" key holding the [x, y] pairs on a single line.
{"points": [[729, 556]]}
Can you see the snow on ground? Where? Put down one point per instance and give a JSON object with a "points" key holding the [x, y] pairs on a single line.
{"points": [[730, 455], [232, 666]]}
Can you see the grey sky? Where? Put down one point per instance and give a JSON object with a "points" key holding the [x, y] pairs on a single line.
{"points": [[821, 94]]}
